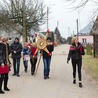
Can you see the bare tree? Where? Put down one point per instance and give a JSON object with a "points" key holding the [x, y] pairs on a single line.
{"points": [[22, 15], [82, 3]]}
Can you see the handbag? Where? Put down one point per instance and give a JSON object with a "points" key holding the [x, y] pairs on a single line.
{"points": [[4, 70]]}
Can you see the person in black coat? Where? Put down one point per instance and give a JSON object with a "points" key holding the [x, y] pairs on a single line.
{"points": [[75, 54], [16, 49], [47, 59], [4, 69]]}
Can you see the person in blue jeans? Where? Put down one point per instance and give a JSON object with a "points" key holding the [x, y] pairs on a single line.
{"points": [[47, 59], [16, 49], [26, 56]]}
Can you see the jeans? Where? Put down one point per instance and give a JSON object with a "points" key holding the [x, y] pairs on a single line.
{"points": [[25, 64], [46, 66], [16, 65], [79, 66]]}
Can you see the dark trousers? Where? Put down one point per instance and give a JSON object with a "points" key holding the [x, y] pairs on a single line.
{"points": [[16, 65], [79, 66], [46, 66], [33, 65], [3, 77], [25, 64]]}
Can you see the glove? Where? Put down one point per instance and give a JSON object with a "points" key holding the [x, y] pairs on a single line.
{"points": [[68, 60]]}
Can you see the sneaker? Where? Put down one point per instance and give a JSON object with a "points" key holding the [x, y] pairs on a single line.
{"points": [[2, 92], [6, 89], [80, 85]]}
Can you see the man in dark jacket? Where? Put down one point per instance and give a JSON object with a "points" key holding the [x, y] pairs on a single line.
{"points": [[47, 59], [16, 49]]}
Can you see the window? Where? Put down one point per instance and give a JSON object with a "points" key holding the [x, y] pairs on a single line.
{"points": [[84, 41]]}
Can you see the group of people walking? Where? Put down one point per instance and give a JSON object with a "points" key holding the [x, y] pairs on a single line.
{"points": [[16, 49]]}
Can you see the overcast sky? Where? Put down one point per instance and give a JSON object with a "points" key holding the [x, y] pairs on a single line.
{"points": [[67, 18]]}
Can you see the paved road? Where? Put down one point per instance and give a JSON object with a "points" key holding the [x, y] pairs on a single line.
{"points": [[58, 86]]}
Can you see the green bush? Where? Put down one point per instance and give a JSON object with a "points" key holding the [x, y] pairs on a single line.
{"points": [[88, 49]]}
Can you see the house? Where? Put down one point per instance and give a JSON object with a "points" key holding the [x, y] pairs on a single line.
{"points": [[84, 34], [94, 32]]}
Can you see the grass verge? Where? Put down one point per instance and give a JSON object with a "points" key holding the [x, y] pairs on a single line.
{"points": [[90, 64]]}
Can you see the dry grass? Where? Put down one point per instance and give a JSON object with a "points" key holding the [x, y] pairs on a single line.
{"points": [[90, 64]]}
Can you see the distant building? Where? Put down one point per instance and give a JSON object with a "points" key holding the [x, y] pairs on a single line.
{"points": [[69, 40], [84, 35]]}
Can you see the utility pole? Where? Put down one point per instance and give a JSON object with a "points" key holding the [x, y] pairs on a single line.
{"points": [[24, 21], [68, 35], [73, 34], [47, 18], [77, 27], [57, 24], [68, 31]]}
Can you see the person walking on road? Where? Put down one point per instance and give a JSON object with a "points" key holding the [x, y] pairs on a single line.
{"points": [[47, 59], [33, 59], [16, 49], [75, 54], [26, 56], [4, 67]]}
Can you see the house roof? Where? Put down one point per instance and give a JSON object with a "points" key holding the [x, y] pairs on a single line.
{"points": [[86, 30]]}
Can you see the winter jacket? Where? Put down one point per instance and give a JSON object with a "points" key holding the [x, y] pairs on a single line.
{"points": [[25, 51], [16, 47], [32, 51], [2, 52], [76, 52], [50, 49]]}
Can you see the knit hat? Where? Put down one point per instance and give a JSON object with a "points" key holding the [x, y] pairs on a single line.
{"points": [[16, 38]]}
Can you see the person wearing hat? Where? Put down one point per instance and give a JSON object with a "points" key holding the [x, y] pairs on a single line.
{"points": [[4, 69], [7, 51], [47, 59], [75, 54], [16, 49]]}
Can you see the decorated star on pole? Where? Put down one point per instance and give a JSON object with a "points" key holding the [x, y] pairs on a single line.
{"points": [[41, 44]]}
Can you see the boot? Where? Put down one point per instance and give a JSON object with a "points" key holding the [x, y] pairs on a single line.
{"points": [[1, 92], [80, 85], [74, 81], [5, 85]]}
